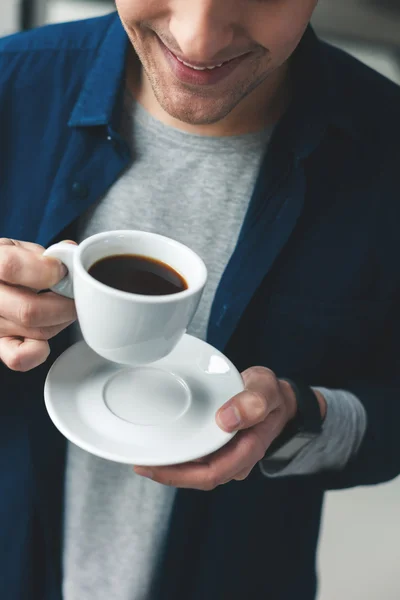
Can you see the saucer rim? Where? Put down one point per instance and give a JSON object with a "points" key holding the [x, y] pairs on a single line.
{"points": [[65, 430]]}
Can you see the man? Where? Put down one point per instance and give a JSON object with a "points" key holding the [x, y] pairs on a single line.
{"points": [[228, 126]]}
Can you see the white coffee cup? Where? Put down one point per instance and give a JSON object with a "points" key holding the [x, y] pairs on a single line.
{"points": [[131, 329]]}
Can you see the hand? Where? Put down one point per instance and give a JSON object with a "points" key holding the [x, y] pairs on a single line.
{"points": [[28, 319], [259, 413]]}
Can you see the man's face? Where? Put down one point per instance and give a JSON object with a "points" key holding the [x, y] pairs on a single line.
{"points": [[242, 42]]}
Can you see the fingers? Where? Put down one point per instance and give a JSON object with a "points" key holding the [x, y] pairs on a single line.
{"points": [[28, 348], [22, 264], [239, 455], [29, 310], [10, 329], [27, 319], [261, 397], [27, 245], [23, 354]]}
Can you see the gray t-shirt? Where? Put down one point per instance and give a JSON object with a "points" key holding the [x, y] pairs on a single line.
{"points": [[194, 189]]}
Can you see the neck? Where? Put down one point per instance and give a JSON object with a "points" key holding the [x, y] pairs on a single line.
{"points": [[263, 107]]}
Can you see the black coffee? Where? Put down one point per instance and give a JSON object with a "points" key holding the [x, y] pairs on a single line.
{"points": [[138, 275]]}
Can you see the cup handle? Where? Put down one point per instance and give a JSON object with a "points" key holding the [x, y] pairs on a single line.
{"points": [[64, 252]]}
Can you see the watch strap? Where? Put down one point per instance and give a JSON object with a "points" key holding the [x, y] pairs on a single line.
{"points": [[307, 420], [308, 416]]}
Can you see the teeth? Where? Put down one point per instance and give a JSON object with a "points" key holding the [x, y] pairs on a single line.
{"points": [[198, 68], [195, 68]]}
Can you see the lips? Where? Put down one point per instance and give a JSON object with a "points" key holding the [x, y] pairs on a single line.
{"points": [[198, 74]]}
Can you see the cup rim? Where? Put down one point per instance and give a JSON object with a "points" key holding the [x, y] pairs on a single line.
{"points": [[139, 298]]}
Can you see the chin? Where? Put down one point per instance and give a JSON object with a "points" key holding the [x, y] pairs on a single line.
{"points": [[193, 117], [192, 109]]}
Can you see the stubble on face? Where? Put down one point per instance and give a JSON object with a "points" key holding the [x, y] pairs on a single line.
{"points": [[194, 104], [251, 96]]}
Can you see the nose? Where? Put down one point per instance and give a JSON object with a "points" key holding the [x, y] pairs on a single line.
{"points": [[203, 29]]}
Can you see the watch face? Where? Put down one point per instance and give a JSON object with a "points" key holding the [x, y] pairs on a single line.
{"points": [[292, 447]]}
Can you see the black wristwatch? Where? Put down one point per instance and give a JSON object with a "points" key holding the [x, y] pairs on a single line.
{"points": [[298, 433]]}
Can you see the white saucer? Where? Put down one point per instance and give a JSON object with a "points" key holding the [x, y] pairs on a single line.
{"points": [[156, 415]]}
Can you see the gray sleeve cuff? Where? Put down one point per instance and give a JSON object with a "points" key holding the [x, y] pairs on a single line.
{"points": [[343, 431]]}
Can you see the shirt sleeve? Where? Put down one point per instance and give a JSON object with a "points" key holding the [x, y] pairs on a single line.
{"points": [[343, 431]]}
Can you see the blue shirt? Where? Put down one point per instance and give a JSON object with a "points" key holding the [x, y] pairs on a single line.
{"points": [[312, 291]]}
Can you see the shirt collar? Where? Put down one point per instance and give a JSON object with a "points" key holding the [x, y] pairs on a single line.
{"points": [[317, 102]]}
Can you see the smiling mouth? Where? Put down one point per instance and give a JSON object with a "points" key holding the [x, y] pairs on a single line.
{"points": [[199, 66], [200, 73]]}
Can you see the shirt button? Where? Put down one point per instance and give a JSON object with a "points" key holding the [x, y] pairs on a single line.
{"points": [[80, 190]]}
